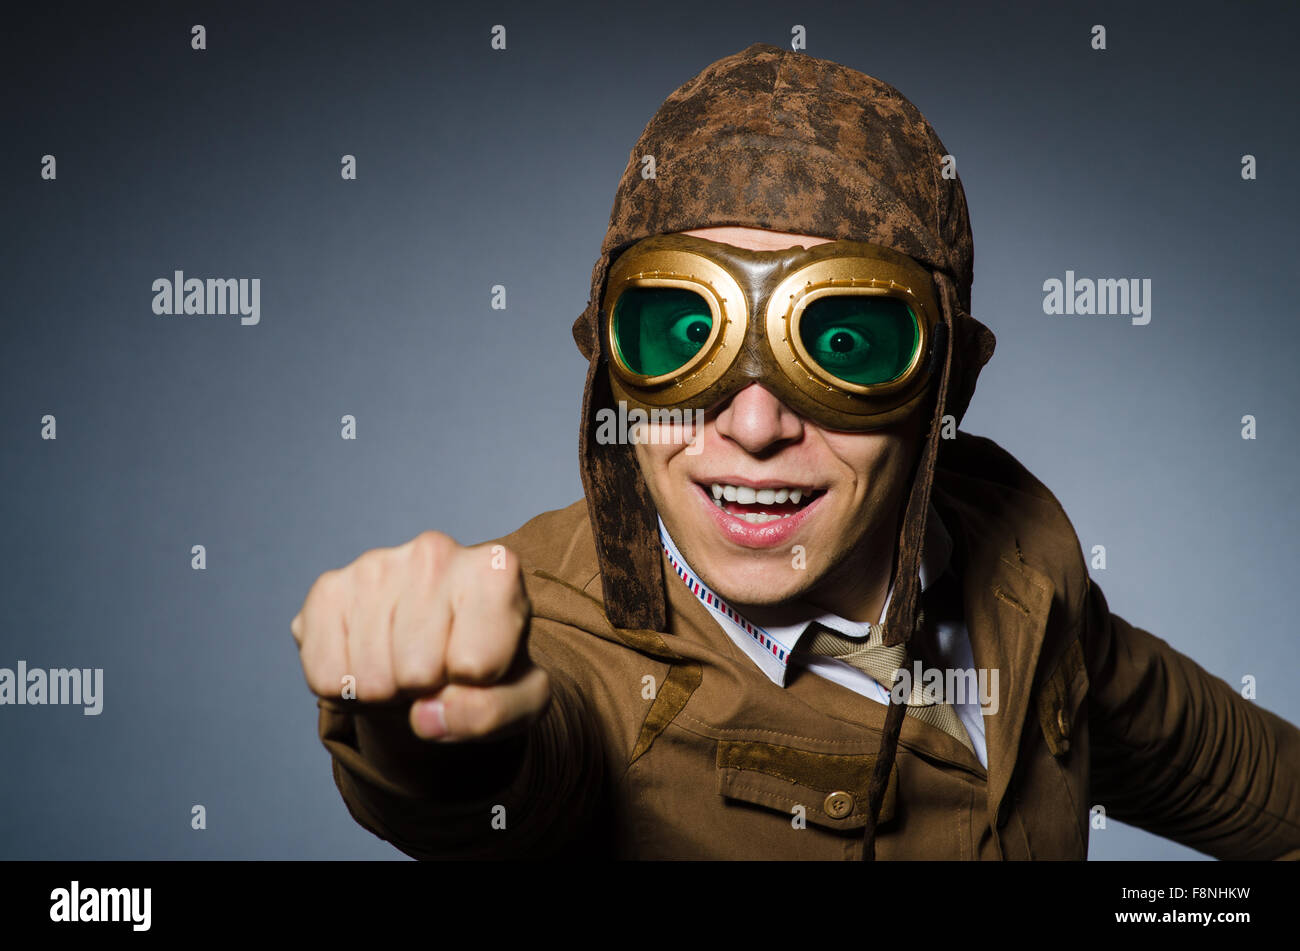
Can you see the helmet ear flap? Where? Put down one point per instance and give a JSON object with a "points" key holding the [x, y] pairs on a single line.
{"points": [[938, 344], [587, 327], [624, 520], [972, 344]]}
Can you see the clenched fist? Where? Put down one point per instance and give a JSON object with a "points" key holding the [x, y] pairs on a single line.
{"points": [[430, 621]]}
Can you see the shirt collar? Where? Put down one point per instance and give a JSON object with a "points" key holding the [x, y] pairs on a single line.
{"points": [[770, 647]]}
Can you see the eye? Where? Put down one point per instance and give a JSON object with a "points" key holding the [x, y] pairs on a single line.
{"points": [[660, 329], [842, 344], [690, 330], [862, 339]]}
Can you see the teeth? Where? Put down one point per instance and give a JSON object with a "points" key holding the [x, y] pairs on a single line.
{"points": [[745, 495], [754, 518], [758, 518]]}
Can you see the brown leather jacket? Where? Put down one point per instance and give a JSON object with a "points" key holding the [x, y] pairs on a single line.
{"points": [[675, 745]]}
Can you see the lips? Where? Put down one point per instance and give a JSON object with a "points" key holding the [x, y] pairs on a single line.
{"points": [[763, 515], [761, 505]]}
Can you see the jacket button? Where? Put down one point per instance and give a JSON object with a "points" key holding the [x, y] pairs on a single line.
{"points": [[1063, 723], [838, 805]]}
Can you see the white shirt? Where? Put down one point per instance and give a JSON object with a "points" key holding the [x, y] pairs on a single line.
{"points": [[770, 648]]}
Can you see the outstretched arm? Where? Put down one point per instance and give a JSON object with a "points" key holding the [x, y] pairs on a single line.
{"points": [[1178, 752], [450, 736]]}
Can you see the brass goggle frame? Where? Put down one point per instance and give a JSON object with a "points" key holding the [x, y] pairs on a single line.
{"points": [[779, 286]]}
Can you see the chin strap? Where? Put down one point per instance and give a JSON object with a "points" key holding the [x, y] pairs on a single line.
{"points": [[885, 754], [904, 617]]}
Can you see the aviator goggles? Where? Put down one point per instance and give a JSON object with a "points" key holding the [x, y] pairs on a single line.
{"points": [[843, 332]]}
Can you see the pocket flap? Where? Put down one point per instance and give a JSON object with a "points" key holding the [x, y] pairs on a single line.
{"points": [[832, 787]]}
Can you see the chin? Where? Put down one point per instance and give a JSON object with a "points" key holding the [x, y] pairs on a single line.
{"points": [[767, 585]]}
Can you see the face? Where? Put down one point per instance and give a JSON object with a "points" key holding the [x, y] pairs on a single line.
{"points": [[804, 512]]}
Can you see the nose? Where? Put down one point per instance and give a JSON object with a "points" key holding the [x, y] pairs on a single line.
{"points": [[757, 421]]}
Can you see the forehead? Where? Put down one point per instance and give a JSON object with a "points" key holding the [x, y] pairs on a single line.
{"points": [[756, 239]]}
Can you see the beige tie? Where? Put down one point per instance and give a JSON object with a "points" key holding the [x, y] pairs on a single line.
{"points": [[879, 662]]}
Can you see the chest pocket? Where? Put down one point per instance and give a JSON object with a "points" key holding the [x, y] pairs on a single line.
{"points": [[832, 787], [1059, 698]]}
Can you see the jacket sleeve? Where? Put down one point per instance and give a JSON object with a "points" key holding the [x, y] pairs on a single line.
{"points": [[539, 794], [1180, 753]]}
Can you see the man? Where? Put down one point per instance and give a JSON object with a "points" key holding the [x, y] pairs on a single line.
{"points": [[725, 649]]}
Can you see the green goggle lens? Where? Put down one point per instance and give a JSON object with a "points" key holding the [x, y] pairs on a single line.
{"points": [[860, 338], [659, 329]]}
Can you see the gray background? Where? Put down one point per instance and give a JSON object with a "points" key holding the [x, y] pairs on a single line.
{"points": [[478, 168]]}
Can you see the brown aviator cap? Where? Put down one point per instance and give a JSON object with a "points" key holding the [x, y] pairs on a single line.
{"points": [[769, 138]]}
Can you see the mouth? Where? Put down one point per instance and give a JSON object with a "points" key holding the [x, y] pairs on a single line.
{"points": [[759, 505]]}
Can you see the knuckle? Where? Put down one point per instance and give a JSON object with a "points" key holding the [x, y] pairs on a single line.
{"points": [[478, 665], [322, 671], [319, 679], [374, 681], [433, 549], [506, 562], [490, 587], [325, 591], [371, 568], [504, 588], [415, 672]]}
